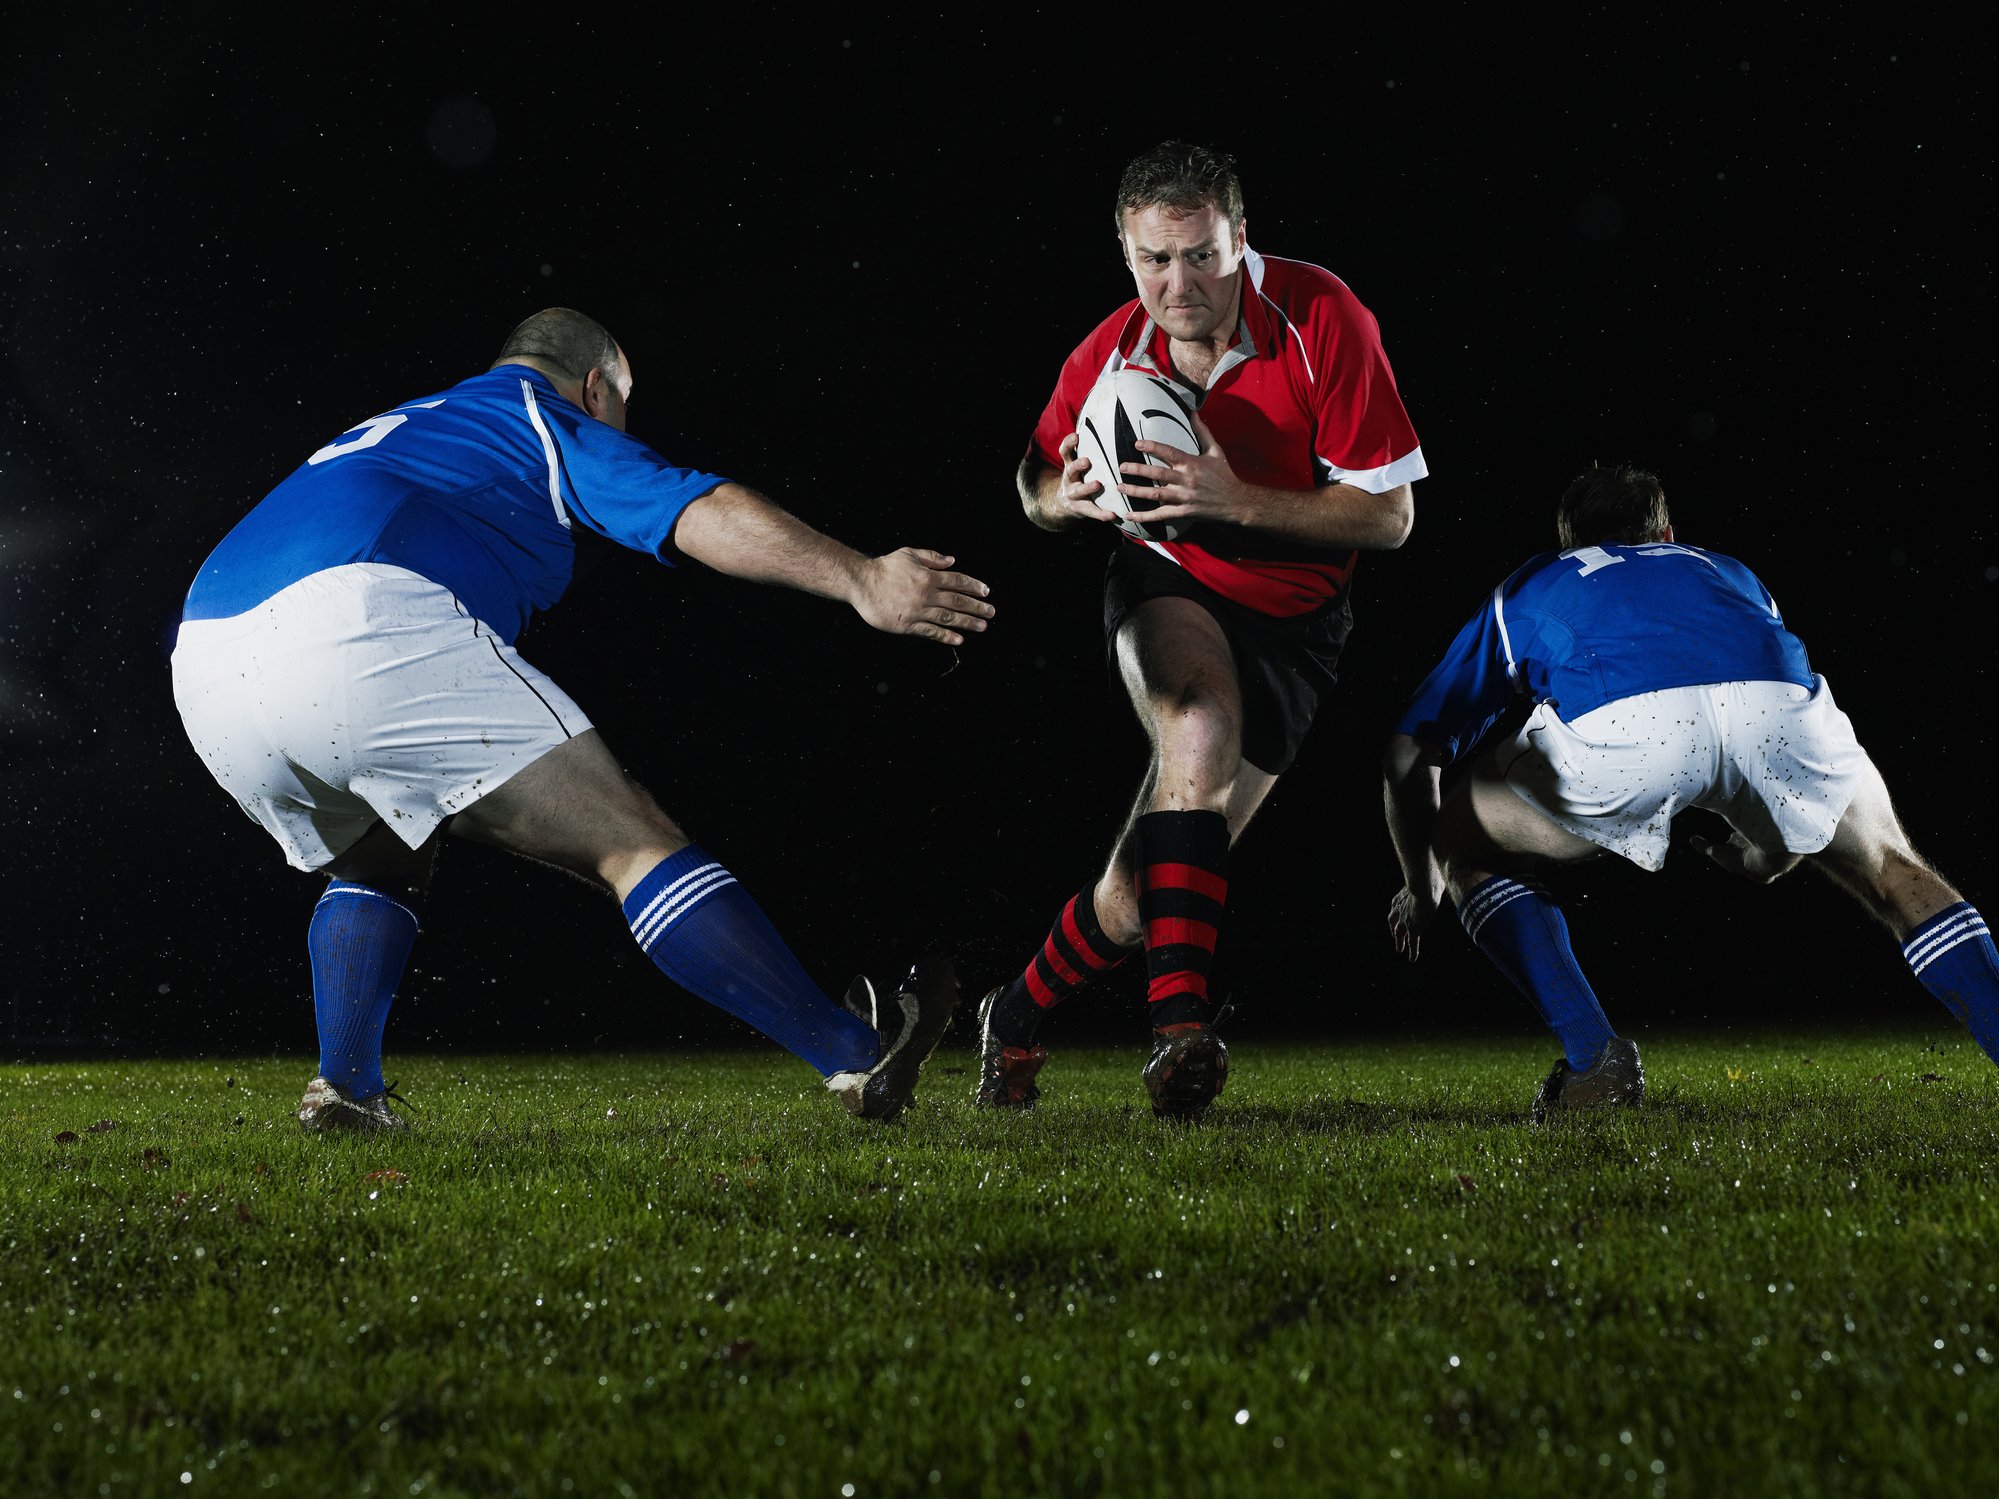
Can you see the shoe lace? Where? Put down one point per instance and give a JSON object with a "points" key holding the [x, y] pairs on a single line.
{"points": [[389, 1093]]}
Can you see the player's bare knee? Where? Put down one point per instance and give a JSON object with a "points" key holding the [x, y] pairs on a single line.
{"points": [[382, 861], [1461, 878], [1456, 831], [1193, 786], [1907, 891], [1123, 927], [1116, 900], [661, 827], [1196, 713], [1760, 868], [1201, 746]]}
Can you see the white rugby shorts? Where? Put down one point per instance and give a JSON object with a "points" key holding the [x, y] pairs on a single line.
{"points": [[1778, 761], [360, 694]]}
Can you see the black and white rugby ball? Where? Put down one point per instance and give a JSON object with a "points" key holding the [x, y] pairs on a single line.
{"points": [[1125, 405]]}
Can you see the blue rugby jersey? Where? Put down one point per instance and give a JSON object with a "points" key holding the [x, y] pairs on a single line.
{"points": [[1582, 628], [475, 489]]}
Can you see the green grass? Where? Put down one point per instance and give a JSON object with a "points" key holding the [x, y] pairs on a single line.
{"points": [[1366, 1274]]}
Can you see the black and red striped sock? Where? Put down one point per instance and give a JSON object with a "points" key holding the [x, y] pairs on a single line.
{"points": [[1075, 952], [1182, 887]]}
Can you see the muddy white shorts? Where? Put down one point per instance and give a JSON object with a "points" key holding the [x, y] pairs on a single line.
{"points": [[360, 694], [1778, 761]]}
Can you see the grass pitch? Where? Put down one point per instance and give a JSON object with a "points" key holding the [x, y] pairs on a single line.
{"points": [[666, 1275]]}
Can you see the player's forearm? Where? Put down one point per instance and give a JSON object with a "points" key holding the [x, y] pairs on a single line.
{"points": [[1334, 515], [1411, 783], [738, 531], [1038, 485]]}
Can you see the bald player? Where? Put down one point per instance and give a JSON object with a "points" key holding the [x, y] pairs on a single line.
{"points": [[346, 668]]}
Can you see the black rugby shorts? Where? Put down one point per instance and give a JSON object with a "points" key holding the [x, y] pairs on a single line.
{"points": [[1285, 666]]}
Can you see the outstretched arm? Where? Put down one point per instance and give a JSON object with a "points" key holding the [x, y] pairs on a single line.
{"points": [[1411, 779], [910, 591]]}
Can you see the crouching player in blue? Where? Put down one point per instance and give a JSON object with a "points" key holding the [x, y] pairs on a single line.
{"points": [[1653, 677], [345, 666]]}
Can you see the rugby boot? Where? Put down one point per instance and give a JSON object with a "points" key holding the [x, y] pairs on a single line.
{"points": [[909, 1027], [1616, 1079], [1006, 1073], [862, 1001], [1188, 1068], [325, 1108]]}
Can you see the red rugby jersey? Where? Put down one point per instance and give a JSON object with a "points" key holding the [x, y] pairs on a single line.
{"points": [[1303, 398]]}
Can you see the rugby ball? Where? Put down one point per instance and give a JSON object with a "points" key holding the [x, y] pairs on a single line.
{"points": [[1125, 405]]}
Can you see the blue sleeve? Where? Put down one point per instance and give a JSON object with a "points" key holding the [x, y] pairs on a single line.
{"points": [[619, 487], [1464, 694]]}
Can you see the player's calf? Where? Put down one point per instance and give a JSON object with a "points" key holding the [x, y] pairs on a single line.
{"points": [[359, 941], [1523, 932], [1952, 955]]}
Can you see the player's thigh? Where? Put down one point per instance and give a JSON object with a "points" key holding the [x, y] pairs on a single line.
{"points": [[1868, 829], [1176, 660], [1871, 855], [574, 807], [1484, 822]]}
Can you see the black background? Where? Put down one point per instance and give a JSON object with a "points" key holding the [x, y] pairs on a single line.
{"points": [[846, 257]]}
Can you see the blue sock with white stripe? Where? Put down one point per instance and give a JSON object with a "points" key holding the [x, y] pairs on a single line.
{"points": [[1953, 955], [1523, 932], [359, 940], [705, 933]]}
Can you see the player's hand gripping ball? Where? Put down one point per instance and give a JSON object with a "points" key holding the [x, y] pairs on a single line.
{"points": [[1126, 405]]}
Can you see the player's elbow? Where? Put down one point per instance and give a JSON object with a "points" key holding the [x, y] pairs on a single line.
{"points": [[1412, 767], [1399, 758], [1398, 517], [1027, 480]]}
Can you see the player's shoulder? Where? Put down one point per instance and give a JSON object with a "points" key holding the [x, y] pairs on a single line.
{"points": [[1536, 574], [1315, 301], [1722, 560], [1287, 272], [502, 384], [1721, 563], [1744, 577], [1299, 286]]}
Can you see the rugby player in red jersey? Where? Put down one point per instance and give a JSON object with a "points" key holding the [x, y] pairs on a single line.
{"points": [[1226, 638]]}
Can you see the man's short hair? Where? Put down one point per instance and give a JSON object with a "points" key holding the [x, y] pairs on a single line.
{"points": [[1183, 178], [1619, 503], [566, 341]]}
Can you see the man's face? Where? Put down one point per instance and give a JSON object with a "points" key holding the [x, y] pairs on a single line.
{"points": [[1185, 265]]}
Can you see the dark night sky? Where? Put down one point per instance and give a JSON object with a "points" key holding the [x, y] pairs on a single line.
{"points": [[846, 264]]}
